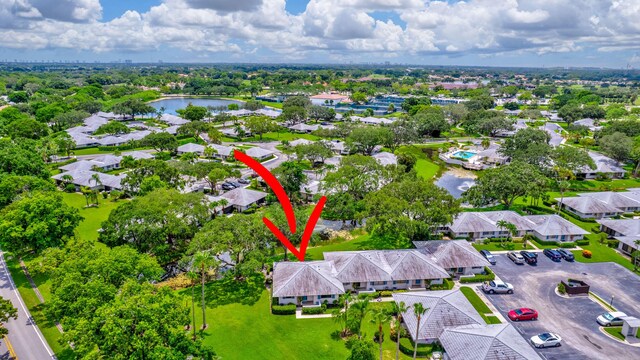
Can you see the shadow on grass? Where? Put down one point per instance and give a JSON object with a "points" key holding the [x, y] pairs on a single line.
{"points": [[228, 290]]}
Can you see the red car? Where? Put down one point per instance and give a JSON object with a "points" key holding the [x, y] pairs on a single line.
{"points": [[523, 314]]}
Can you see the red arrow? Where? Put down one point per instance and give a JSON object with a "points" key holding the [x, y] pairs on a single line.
{"points": [[277, 188]]}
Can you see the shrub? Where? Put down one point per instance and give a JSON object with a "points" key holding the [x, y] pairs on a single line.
{"points": [[376, 337], [567, 245], [70, 188], [284, 309], [561, 289], [583, 242], [407, 349], [487, 276], [386, 293], [314, 310], [612, 243], [586, 253], [447, 284], [162, 155], [369, 296]]}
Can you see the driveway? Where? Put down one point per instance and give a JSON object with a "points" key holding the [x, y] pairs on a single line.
{"points": [[573, 319]]}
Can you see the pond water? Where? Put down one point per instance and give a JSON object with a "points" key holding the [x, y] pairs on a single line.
{"points": [[173, 104], [456, 182]]}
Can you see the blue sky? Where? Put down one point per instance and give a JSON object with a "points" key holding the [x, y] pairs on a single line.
{"points": [[588, 33]]}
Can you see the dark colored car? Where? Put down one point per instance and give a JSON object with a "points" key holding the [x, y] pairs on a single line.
{"points": [[523, 314], [566, 254], [530, 257], [552, 254], [243, 181], [487, 255], [228, 186]]}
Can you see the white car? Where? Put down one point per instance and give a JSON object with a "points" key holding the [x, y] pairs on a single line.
{"points": [[611, 318], [546, 340], [515, 257], [497, 286]]}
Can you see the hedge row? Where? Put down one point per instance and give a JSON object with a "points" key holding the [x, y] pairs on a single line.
{"points": [[488, 276], [582, 242], [409, 351], [565, 213], [283, 309], [314, 310], [447, 284]]}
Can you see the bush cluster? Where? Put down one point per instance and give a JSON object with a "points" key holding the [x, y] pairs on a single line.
{"points": [[283, 309]]}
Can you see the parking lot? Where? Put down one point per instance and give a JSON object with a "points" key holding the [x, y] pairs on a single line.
{"points": [[573, 319]]}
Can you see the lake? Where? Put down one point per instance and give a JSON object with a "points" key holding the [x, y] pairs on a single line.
{"points": [[173, 104], [456, 182]]}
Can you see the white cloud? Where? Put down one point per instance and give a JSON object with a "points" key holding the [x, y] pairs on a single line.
{"points": [[337, 28]]}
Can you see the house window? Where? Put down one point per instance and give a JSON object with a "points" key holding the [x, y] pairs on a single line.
{"points": [[288, 297], [418, 281], [325, 297]]}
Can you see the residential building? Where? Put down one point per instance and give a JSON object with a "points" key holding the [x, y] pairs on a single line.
{"points": [[86, 178], [305, 283], [604, 166], [626, 202], [457, 257], [445, 309], [328, 99], [627, 231], [486, 342], [239, 199], [259, 153], [588, 207], [555, 228], [374, 270], [386, 158], [190, 148]]}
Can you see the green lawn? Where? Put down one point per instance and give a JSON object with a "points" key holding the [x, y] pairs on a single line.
{"points": [[543, 246], [244, 312], [273, 136], [479, 305], [607, 185], [616, 331], [362, 242], [93, 216], [425, 167]]}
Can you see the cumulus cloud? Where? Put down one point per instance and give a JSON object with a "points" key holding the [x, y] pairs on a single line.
{"points": [[336, 28]]}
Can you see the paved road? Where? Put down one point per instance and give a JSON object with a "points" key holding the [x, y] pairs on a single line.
{"points": [[573, 319], [25, 337]]}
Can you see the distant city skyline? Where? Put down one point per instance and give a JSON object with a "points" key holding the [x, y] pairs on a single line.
{"points": [[532, 33]]}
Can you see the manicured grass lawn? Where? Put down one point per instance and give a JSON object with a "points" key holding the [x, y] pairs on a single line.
{"points": [[608, 185], [426, 169], [241, 326], [479, 305], [494, 246], [48, 328], [273, 136], [93, 216], [543, 246]]}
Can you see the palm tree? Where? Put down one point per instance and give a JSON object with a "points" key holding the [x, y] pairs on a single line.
{"points": [[96, 179], [486, 143], [399, 309], [66, 178], [341, 316], [501, 224], [360, 310], [562, 186], [380, 317], [512, 230], [419, 310], [636, 255], [193, 276], [209, 152], [203, 261]]}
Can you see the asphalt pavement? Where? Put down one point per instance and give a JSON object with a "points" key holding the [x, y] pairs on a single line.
{"points": [[574, 319], [24, 335]]}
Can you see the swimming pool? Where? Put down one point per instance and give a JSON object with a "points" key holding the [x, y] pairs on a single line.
{"points": [[463, 154]]}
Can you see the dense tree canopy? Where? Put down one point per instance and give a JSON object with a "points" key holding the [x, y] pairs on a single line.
{"points": [[36, 222], [161, 223]]}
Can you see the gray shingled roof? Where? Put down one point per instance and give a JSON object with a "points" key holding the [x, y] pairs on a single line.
{"points": [[384, 265], [243, 197], [486, 342], [300, 142], [258, 152], [191, 147], [84, 178], [486, 221], [386, 158], [305, 278], [452, 253], [447, 308], [616, 199], [629, 228], [555, 225], [603, 163], [588, 205]]}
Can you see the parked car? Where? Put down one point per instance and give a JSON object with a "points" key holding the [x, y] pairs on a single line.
{"points": [[546, 340], [497, 286], [487, 255], [566, 254], [228, 186], [515, 257], [530, 258], [523, 314], [611, 318], [244, 181], [552, 254]]}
